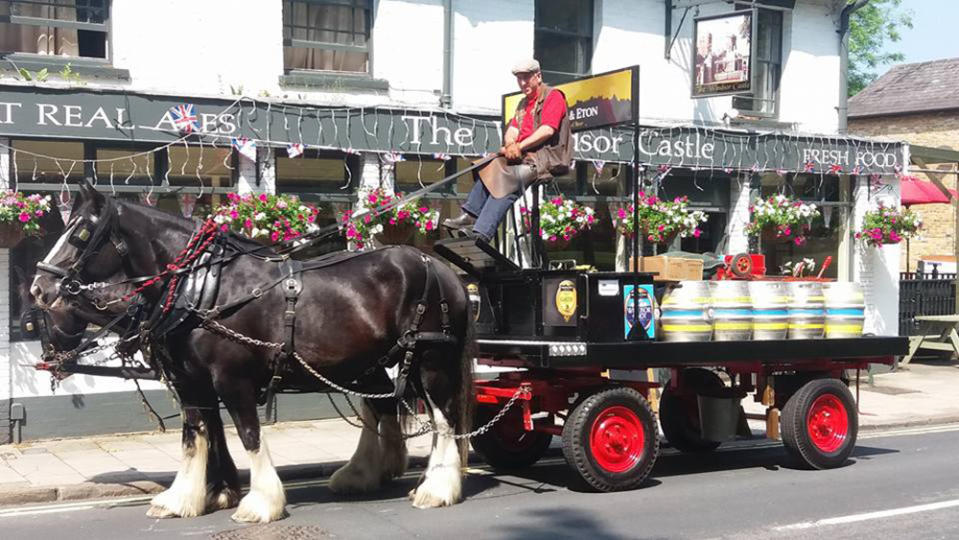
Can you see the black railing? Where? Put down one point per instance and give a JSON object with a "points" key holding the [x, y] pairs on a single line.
{"points": [[923, 295]]}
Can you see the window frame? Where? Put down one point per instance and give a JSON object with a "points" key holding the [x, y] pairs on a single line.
{"points": [[588, 39], [106, 27], [756, 94], [368, 5]]}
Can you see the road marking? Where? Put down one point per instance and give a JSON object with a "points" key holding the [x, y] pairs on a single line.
{"points": [[871, 515], [70, 507]]}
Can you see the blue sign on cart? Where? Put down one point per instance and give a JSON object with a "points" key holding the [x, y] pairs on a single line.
{"points": [[644, 302]]}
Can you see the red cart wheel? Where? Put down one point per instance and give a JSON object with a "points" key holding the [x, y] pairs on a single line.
{"points": [[820, 423], [610, 439], [507, 445], [741, 265]]}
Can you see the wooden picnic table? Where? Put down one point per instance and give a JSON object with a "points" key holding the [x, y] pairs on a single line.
{"points": [[936, 333]]}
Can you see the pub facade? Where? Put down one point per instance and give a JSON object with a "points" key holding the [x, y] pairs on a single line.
{"points": [[324, 98]]}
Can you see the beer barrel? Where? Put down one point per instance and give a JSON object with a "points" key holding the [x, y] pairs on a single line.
{"points": [[807, 318], [685, 312], [770, 301], [845, 309], [732, 310]]}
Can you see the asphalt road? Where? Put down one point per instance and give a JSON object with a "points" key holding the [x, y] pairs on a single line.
{"points": [[901, 484]]}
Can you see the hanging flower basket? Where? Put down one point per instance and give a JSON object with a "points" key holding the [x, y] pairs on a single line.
{"points": [[660, 221], [20, 216], [887, 225], [781, 219], [266, 218], [395, 227], [560, 220]]}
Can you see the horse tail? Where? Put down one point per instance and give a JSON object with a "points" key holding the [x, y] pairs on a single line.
{"points": [[466, 401]]}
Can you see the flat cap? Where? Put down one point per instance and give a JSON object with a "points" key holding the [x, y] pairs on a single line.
{"points": [[526, 65]]}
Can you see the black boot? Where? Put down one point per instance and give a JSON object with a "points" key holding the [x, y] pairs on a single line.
{"points": [[464, 221]]}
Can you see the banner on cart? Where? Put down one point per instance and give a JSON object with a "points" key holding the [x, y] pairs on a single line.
{"points": [[597, 101]]}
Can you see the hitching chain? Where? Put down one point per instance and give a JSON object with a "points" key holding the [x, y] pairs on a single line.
{"points": [[425, 427]]}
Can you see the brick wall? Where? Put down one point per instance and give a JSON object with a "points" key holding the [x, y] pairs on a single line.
{"points": [[940, 130]]}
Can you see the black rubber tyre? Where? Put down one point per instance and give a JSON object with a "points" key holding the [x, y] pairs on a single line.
{"points": [[610, 439], [507, 445], [741, 265], [679, 415], [820, 423]]}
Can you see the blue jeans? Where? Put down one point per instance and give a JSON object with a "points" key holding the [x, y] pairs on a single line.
{"points": [[487, 210]]}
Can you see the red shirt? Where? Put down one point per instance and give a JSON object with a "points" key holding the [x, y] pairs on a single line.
{"points": [[553, 110]]}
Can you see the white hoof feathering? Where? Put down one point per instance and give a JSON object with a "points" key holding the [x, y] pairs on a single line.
{"points": [[226, 498], [363, 472], [443, 484], [266, 500], [392, 448], [186, 497]]}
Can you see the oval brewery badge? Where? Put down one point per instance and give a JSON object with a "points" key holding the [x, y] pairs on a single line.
{"points": [[566, 299], [472, 290]]}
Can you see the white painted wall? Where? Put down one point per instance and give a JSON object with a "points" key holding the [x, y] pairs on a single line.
{"points": [[224, 43]]}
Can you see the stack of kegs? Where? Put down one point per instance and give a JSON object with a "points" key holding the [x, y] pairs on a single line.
{"points": [[732, 310], [807, 314], [845, 309], [770, 301], [685, 312]]}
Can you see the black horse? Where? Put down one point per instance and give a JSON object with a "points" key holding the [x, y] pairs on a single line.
{"points": [[353, 318]]}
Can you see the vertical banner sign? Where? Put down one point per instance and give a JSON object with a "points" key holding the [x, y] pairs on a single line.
{"points": [[602, 100], [723, 61], [644, 302]]}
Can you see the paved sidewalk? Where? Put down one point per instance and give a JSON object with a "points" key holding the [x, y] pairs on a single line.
{"points": [[142, 463]]}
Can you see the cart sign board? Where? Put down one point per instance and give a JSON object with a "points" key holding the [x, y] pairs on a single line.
{"points": [[723, 60], [606, 99], [644, 303]]}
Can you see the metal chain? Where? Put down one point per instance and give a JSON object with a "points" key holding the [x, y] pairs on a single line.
{"points": [[425, 427]]}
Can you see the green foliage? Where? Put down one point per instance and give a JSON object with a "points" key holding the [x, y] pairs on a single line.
{"points": [[870, 28]]}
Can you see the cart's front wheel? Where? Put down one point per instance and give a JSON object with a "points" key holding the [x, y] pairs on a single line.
{"points": [[610, 439], [507, 445], [820, 423]]}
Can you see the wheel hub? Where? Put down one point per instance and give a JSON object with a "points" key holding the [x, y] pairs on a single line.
{"points": [[617, 439], [828, 423]]}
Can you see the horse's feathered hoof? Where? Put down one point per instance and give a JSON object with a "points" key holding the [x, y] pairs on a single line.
{"points": [[254, 508], [226, 498], [161, 512], [351, 479]]}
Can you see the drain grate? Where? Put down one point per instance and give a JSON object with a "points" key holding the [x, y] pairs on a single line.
{"points": [[273, 531]]}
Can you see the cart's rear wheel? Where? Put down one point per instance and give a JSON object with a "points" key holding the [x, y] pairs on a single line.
{"points": [[820, 423], [610, 439], [507, 445], [679, 412]]}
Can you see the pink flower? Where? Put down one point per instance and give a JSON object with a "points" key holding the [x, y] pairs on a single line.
{"points": [[392, 221], [552, 238], [234, 214], [372, 198], [566, 237], [312, 218], [24, 217], [697, 233], [557, 201], [281, 204], [224, 228], [787, 231], [248, 223], [263, 197], [424, 209], [621, 213], [429, 225], [359, 245], [661, 228], [367, 219], [895, 238], [38, 213], [274, 236]]}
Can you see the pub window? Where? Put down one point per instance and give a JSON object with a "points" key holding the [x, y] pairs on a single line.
{"points": [[327, 35], [563, 41], [767, 65], [71, 28]]}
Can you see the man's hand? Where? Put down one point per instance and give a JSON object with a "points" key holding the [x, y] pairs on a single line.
{"points": [[512, 152]]}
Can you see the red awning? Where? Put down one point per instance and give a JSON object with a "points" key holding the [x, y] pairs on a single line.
{"points": [[922, 192]]}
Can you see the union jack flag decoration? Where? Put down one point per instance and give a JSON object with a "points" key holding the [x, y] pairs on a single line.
{"points": [[835, 169], [810, 166], [184, 118], [441, 156], [856, 171], [246, 147], [294, 150]]}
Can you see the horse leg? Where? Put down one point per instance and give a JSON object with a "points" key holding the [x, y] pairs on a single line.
{"points": [[442, 482], [186, 497], [266, 500], [393, 450], [366, 468], [222, 478]]}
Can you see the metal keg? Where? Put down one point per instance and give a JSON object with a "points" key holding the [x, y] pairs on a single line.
{"points": [[685, 312], [770, 301], [807, 317], [845, 309], [732, 310]]}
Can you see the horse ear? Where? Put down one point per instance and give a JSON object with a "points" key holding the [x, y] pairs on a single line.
{"points": [[88, 192]]}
